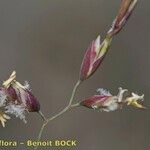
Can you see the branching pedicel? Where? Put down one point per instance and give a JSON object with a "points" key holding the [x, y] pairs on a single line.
{"points": [[17, 99]]}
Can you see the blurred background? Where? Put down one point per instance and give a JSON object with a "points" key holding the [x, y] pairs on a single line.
{"points": [[45, 40]]}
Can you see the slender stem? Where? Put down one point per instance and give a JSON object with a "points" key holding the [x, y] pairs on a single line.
{"points": [[70, 102], [68, 107], [42, 115], [75, 105], [74, 91], [40, 134], [57, 115]]}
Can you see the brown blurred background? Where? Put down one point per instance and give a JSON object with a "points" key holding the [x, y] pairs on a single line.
{"points": [[45, 40]]}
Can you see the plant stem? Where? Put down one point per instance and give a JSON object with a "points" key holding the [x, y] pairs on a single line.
{"points": [[70, 102], [74, 91], [42, 115], [69, 106], [40, 134], [75, 105]]}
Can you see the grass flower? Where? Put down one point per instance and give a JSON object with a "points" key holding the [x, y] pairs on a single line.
{"points": [[94, 57], [16, 99], [125, 11], [134, 100], [97, 50], [105, 101]]}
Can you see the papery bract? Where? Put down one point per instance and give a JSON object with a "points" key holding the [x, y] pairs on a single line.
{"points": [[3, 118], [125, 11], [105, 103], [94, 57], [95, 101]]}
